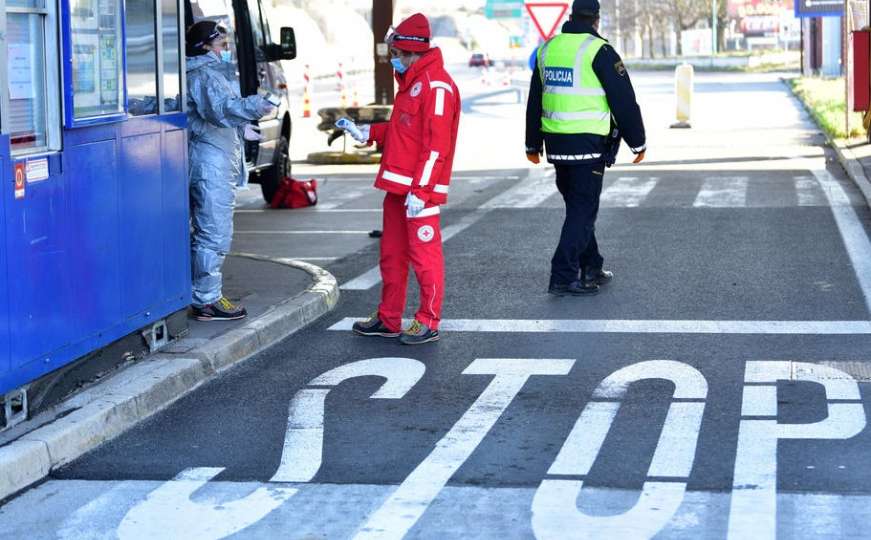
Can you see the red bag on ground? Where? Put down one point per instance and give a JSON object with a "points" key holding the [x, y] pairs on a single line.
{"points": [[295, 194]]}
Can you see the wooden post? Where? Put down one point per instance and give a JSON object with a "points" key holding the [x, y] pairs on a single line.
{"points": [[382, 18]]}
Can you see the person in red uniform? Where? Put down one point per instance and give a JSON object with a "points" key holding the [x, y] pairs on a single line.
{"points": [[418, 153]]}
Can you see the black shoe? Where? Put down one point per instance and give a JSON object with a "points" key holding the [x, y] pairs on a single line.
{"points": [[597, 276], [418, 334], [575, 288], [373, 327], [222, 310]]}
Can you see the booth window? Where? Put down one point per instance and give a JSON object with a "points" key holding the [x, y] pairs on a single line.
{"points": [[141, 57], [169, 26], [27, 76], [97, 58]]}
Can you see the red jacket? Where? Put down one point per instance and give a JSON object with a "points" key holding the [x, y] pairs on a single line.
{"points": [[421, 136]]}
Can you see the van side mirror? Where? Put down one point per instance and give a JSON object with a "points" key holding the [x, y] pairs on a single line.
{"points": [[288, 43]]}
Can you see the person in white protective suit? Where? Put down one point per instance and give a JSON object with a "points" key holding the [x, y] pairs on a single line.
{"points": [[218, 118]]}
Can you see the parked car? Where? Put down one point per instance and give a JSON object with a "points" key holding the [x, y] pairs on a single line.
{"points": [[480, 60], [258, 66]]}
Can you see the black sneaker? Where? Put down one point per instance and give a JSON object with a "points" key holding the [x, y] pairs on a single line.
{"points": [[222, 310], [575, 288], [373, 327], [418, 334], [597, 276]]}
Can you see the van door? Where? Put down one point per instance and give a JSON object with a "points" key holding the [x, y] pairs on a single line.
{"points": [[270, 126]]}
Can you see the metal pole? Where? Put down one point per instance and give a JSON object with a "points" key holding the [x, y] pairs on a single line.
{"points": [[382, 18], [713, 27]]}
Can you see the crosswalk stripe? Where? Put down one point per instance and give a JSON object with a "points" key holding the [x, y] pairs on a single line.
{"points": [[808, 192], [627, 192], [723, 192], [528, 194], [624, 326]]}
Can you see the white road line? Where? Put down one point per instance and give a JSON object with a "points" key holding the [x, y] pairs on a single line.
{"points": [[627, 192], [314, 210], [852, 231], [530, 193], [521, 196], [807, 191], [723, 192], [301, 232], [398, 514], [623, 326]]}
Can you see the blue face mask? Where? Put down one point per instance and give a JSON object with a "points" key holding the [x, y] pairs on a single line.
{"points": [[226, 56], [398, 65]]}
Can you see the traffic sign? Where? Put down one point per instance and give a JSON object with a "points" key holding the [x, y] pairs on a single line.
{"points": [[503, 9], [547, 16], [819, 8]]}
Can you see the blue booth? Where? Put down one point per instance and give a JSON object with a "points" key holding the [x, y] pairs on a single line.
{"points": [[94, 227]]}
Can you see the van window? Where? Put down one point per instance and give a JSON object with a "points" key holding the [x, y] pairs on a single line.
{"points": [[221, 12], [256, 23]]}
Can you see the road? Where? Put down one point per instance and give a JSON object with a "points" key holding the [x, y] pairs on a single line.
{"points": [[718, 388]]}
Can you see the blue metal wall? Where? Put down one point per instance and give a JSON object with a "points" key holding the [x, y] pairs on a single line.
{"points": [[98, 250], [6, 194]]}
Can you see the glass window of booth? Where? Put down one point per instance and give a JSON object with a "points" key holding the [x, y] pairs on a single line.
{"points": [[97, 58], [141, 22], [27, 76], [171, 55]]}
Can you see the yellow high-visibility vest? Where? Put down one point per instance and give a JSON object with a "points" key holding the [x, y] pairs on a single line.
{"points": [[573, 100]]}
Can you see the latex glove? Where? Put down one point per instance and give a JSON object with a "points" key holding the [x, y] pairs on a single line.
{"points": [[639, 157], [252, 133], [360, 134], [414, 205], [264, 107], [533, 158]]}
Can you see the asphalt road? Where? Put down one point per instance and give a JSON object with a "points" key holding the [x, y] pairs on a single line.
{"points": [[717, 388]]}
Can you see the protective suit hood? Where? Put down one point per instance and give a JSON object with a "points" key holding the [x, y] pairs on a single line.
{"points": [[193, 63]]}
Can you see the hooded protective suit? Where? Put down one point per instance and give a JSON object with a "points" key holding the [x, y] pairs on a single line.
{"points": [[216, 111]]}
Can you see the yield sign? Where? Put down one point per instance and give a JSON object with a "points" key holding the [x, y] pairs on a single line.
{"points": [[547, 16]]}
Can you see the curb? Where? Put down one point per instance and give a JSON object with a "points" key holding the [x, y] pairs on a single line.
{"points": [[852, 166], [107, 410], [845, 156]]}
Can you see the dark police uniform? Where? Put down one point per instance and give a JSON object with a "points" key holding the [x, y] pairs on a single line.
{"points": [[580, 158]]}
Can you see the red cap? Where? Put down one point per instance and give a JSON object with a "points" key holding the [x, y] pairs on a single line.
{"points": [[412, 34]]}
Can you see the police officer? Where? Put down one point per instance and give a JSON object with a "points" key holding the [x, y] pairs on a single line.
{"points": [[580, 98]]}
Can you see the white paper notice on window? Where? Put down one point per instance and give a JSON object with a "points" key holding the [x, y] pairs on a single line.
{"points": [[37, 170], [20, 71]]}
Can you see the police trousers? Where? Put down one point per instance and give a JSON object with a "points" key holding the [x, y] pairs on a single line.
{"points": [[581, 187]]}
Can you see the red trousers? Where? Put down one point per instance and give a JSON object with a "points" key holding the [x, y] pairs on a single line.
{"points": [[416, 240]]}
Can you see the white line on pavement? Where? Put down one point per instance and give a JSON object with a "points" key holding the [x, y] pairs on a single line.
{"points": [[722, 192], [623, 326], [527, 194], [302, 232], [372, 277], [627, 192], [398, 514], [315, 210], [852, 231]]}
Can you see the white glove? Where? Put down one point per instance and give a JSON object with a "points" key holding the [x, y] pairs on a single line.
{"points": [[252, 133], [264, 107], [414, 205], [359, 133]]}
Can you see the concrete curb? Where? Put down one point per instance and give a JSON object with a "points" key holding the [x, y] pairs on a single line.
{"points": [[107, 410], [845, 156], [853, 168]]}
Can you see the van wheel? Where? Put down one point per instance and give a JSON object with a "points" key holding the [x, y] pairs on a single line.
{"points": [[280, 169]]}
